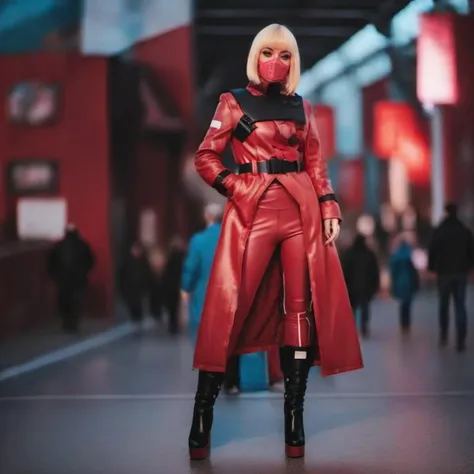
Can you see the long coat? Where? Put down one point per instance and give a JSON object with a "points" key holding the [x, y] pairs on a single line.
{"points": [[197, 269], [337, 340]]}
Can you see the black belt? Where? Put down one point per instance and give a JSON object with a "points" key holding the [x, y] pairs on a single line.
{"points": [[273, 166]]}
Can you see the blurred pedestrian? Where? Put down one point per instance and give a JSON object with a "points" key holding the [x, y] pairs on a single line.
{"points": [[157, 264], [281, 213], [69, 263], [198, 263], [172, 282], [133, 282], [451, 257], [405, 281], [362, 275]]}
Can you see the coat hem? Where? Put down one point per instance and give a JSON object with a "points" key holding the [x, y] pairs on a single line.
{"points": [[327, 373], [267, 347]]}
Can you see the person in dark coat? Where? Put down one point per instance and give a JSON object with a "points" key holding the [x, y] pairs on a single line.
{"points": [[405, 281], [362, 275], [172, 282], [134, 280], [451, 257], [69, 263]]}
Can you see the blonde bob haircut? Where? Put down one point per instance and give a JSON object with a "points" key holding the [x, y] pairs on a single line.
{"points": [[279, 37]]}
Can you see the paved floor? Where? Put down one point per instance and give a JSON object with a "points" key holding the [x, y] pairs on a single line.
{"points": [[51, 337], [126, 408]]}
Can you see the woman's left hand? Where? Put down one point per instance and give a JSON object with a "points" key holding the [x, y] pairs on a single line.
{"points": [[331, 230]]}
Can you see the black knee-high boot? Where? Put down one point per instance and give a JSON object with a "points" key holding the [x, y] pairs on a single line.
{"points": [[209, 384], [295, 364]]}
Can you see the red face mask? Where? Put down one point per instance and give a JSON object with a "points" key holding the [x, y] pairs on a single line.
{"points": [[273, 70]]}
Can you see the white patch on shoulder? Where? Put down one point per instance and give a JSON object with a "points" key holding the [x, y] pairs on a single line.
{"points": [[216, 124], [301, 354]]}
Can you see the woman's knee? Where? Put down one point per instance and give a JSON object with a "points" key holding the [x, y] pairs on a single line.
{"points": [[295, 304]]}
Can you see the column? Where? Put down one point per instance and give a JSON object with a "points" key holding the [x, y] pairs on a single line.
{"points": [[437, 165]]}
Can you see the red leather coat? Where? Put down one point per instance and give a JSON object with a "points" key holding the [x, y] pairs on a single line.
{"points": [[338, 342]]}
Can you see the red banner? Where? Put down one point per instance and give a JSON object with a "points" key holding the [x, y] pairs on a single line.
{"points": [[391, 119], [437, 76], [350, 184], [399, 133], [325, 120], [413, 149]]}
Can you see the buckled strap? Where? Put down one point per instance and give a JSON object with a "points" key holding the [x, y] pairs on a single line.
{"points": [[244, 128], [218, 185], [328, 197], [273, 166]]}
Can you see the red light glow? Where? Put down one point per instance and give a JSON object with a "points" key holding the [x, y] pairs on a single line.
{"points": [[437, 80], [325, 121]]}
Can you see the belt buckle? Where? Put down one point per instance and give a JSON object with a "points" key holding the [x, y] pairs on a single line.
{"points": [[275, 165]]}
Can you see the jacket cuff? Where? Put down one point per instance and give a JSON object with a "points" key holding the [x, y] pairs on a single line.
{"points": [[327, 197], [218, 184], [330, 210]]}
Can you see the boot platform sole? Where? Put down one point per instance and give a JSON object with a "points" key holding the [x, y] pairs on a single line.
{"points": [[294, 451], [199, 454]]}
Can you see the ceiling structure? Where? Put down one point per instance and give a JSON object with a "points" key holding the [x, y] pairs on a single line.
{"points": [[37, 25], [224, 30]]}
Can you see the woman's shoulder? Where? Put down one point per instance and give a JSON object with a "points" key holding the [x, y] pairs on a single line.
{"points": [[227, 97], [308, 109], [228, 103]]}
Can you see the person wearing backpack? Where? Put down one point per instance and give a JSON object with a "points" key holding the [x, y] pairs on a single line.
{"points": [[405, 281]]}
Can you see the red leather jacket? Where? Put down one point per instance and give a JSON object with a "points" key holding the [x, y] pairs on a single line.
{"points": [[281, 139]]}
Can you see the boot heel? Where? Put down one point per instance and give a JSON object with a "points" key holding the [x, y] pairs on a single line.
{"points": [[294, 451], [199, 454], [199, 441]]}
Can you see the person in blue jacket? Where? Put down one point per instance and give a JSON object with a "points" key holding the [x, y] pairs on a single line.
{"points": [[195, 276], [198, 263], [405, 281]]}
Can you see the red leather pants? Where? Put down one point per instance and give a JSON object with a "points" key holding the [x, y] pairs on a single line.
{"points": [[278, 222]]}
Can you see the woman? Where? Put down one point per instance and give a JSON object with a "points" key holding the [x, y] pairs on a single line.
{"points": [[276, 247], [405, 281]]}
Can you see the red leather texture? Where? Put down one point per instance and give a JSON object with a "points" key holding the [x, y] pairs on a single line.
{"points": [[336, 334]]}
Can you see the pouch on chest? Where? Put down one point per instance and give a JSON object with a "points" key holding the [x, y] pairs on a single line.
{"points": [[262, 108]]}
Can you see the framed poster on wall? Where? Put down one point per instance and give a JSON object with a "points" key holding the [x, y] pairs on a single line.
{"points": [[41, 218], [27, 177], [33, 103]]}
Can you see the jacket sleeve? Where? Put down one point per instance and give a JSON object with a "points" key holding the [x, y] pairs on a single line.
{"points": [[208, 156], [191, 265], [317, 170]]}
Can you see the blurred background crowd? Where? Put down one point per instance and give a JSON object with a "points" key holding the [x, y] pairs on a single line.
{"points": [[102, 215]]}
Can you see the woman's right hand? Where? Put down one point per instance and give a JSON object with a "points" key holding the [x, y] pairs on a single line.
{"points": [[230, 182]]}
